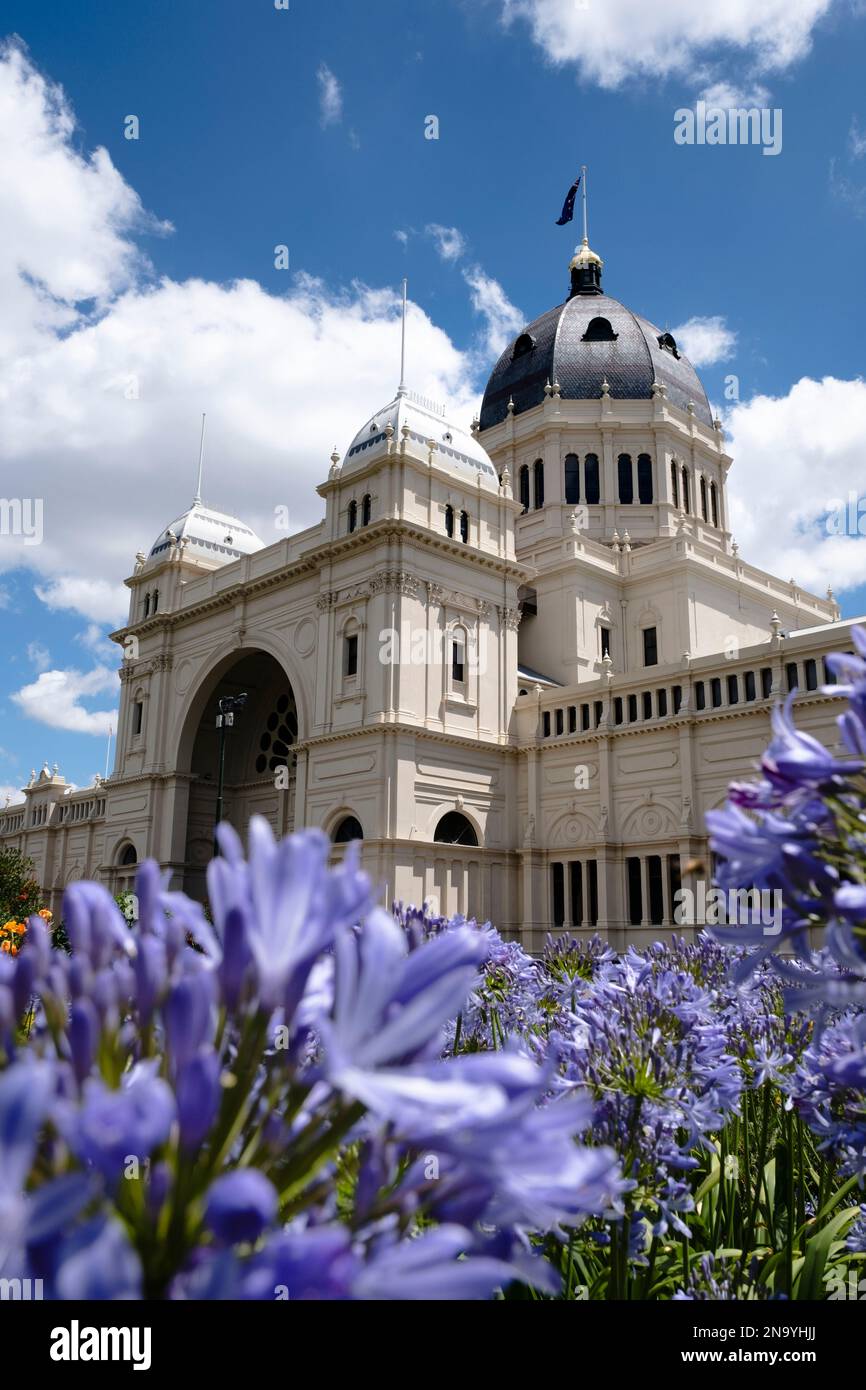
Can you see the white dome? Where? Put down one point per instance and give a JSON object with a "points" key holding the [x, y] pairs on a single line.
{"points": [[456, 449], [209, 537]]}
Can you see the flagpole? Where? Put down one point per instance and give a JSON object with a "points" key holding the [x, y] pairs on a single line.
{"points": [[196, 501], [583, 186], [402, 390]]}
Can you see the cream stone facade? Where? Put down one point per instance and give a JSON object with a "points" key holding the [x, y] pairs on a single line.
{"points": [[521, 662]]}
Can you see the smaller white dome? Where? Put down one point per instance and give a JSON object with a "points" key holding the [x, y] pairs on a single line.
{"points": [[456, 449], [211, 538]]}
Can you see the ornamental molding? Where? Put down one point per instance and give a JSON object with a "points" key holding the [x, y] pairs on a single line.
{"points": [[163, 661], [509, 618], [395, 581], [326, 601]]}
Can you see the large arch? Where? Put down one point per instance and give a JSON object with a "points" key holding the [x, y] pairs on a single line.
{"points": [[259, 765]]}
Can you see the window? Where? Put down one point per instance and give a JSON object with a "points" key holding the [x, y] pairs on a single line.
{"points": [[584, 717], [644, 479], [650, 647], [656, 892], [635, 892], [538, 479], [524, 344], [350, 655], [600, 330], [278, 735], [349, 829], [598, 710], [716, 692], [662, 703], [558, 721], [829, 676], [675, 484], [572, 719], [700, 695], [678, 698], [626, 486], [128, 856], [593, 892], [605, 642], [674, 879], [147, 605], [352, 517], [647, 702], [557, 894], [792, 678], [455, 829], [811, 675], [766, 682], [750, 687], [155, 604], [458, 658], [733, 690], [545, 724], [575, 874], [449, 521], [464, 527], [591, 479], [523, 490], [572, 478], [617, 709], [137, 717], [714, 503], [632, 709], [704, 512], [687, 504], [668, 343], [366, 509]]}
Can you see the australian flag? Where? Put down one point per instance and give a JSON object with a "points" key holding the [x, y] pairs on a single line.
{"points": [[568, 205]]}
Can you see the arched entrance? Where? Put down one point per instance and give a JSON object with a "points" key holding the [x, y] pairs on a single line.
{"points": [[259, 762]]}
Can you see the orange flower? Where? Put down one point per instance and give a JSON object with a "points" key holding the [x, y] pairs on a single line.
{"points": [[45, 914]]}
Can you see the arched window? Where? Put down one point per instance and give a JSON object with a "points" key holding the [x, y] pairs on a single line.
{"points": [[675, 484], [599, 330], [449, 520], [524, 344], [644, 478], [353, 516], [626, 483], [572, 478], [455, 829], [155, 604], [687, 501], [349, 829], [704, 510], [591, 479], [147, 605], [524, 487], [667, 341], [366, 509], [464, 527], [128, 856], [538, 478], [458, 656], [714, 503]]}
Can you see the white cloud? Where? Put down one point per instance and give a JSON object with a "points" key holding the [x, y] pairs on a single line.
{"points": [[101, 408], [96, 641], [55, 698], [503, 319], [401, 236], [856, 140], [330, 97], [705, 341], [611, 41], [5, 598], [795, 455], [729, 95], [38, 656], [449, 241], [10, 795]]}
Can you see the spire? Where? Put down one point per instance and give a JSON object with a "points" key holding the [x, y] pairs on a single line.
{"points": [[196, 501], [402, 388]]}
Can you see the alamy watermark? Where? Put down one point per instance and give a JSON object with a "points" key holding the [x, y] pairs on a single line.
{"points": [[740, 907], [22, 516], [733, 125]]}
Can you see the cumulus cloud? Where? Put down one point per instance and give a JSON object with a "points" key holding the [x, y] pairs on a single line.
{"points": [[706, 341], [610, 42], [798, 460], [330, 97], [104, 372], [10, 795], [502, 318], [856, 140], [450, 242], [38, 655], [56, 698]]}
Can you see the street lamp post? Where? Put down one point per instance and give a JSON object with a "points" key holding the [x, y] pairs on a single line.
{"points": [[228, 707]]}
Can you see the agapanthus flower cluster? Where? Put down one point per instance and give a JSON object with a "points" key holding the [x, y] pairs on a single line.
{"points": [[653, 1052], [259, 1107]]}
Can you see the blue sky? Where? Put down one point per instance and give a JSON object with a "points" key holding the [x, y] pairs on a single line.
{"points": [[306, 127]]}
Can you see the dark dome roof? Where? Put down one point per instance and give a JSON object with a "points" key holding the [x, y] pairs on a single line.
{"points": [[567, 346]]}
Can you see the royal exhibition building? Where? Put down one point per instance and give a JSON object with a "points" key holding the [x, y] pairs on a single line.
{"points": [[519, 663]]}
